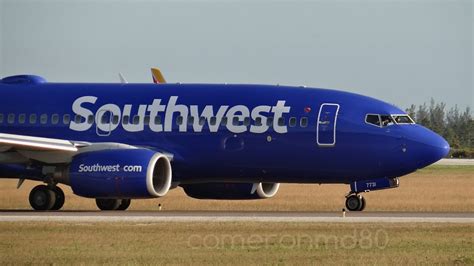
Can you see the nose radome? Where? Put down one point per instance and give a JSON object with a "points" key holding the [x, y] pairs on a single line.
{"points": [[441, 146], [436, 147], [423, 146]]}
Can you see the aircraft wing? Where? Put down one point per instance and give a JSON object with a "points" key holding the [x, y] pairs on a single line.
{"points": [[21, 148], [8, 141]]}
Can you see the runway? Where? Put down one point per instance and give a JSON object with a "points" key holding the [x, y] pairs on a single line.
{"points": [[469, 162], [221, 216]]}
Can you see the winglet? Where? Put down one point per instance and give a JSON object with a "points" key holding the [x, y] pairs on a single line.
{"points": [[157, 76]]}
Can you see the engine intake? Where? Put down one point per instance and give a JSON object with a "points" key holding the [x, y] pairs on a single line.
{"points": [[121, 173], [231, 191]]}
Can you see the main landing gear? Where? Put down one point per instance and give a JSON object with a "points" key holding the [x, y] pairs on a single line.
{"points": [[355, 202], [45, 198], [113, 204], [51, 198]]}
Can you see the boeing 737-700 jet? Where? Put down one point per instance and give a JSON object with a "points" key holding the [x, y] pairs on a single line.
{"points": [[123, 141]]}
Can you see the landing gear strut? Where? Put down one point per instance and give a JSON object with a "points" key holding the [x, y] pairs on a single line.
{"points": [[45, 198], [355, 202]]}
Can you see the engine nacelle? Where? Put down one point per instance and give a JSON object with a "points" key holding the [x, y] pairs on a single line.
{"points": [[120, 173], [231, 191]]}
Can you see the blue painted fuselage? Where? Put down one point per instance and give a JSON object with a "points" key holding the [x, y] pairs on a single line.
{"points": [[360, 150]]}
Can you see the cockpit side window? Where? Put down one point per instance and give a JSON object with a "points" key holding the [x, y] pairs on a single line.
{"points": [[403, 119], [387, 120], [372, 119]]}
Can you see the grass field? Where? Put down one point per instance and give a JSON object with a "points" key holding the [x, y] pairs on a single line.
{"points": [[236, 243], [436, 188]]}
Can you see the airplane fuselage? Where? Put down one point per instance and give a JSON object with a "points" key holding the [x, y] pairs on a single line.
{"points": [[229, 133]]}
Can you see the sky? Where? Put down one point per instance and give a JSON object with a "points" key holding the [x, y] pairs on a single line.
{"points": [[403, 52]]}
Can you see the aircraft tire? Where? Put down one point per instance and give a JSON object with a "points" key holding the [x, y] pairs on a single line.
{"points": [[108, 204], [355, 203], [124, 205], [42, 198], [362, 207], [60, 198]]}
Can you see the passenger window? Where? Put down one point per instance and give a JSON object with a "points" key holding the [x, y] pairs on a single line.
{"points": [[292, 122], [304, 122], [90, 119], [281, 121], [235, 121], [247, 121], [224, 121], [55, 119], [190, 120], [105, 119], [270, 121], [77, 118], [11, 118], [125, 119], [1, 118], [179, 120], [213, 121], [157, 120], [22, 118], [66, 119], [44, 119], [33, 119], [115, 119], [136, 119], [373, 120], [258, 121], [202, 121], [147, 120]]}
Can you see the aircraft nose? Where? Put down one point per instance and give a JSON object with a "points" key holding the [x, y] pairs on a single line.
{"points": [[431, 147], [438, 147]]}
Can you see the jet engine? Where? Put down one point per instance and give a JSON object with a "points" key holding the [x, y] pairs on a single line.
{"points": [[120, 173]]}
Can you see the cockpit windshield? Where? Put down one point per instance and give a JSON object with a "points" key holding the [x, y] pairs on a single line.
{"points": [[403, 119], [388, 120]]}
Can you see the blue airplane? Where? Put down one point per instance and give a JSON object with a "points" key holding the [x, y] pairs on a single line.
{"points": [[123, 141]]}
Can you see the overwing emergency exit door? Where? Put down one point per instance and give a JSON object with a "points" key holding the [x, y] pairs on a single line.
{"points": [[104, 123]]}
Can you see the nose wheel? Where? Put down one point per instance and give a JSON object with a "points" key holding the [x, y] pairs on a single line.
{"points": [[355, 202]]}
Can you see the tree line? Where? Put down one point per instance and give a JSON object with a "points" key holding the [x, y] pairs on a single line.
{"points": [[455, 125]]}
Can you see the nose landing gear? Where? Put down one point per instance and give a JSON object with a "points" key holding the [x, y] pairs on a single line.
{"points": [[355, 202]]}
